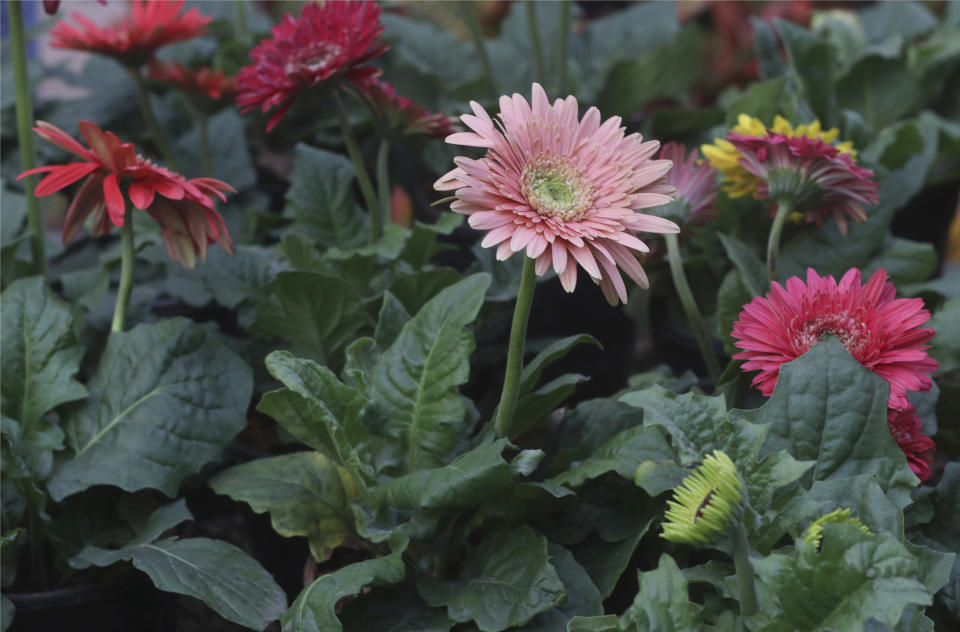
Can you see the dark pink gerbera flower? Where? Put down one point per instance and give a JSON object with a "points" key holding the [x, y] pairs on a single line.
{"points": [[563, 189], [907, 430], [817, 179], [133, 40], [696, 184], [881, 331], [400, 114], [183, 208], [206, 83], [332, 40]]}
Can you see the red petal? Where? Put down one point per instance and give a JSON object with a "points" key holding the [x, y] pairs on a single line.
{"points": [[141, 195], [86, 200], [64, 175], [114, 199]]}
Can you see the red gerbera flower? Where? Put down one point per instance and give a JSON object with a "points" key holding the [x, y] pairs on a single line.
{"points": [[134, 39], [183, 208], [206, 82], [907, 429], [400, 114], [881, 331], [817, 178], [332, 40]]}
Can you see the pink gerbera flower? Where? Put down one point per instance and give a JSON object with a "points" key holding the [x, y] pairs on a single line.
{"points": [[399, 114], [881, 331], [907, 430], [134, 39], [564, 190], [696, 184], [816, 178], [112, 171], [332, 40]]}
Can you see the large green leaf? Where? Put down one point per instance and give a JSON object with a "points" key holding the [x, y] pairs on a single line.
{"points": [[851, 577], [550, 354], [227, 143], [165, 400], [316, 313], [622, 454], [662, 602], [811, 64], [583, 598], [40, 353], [393, 609], [534, 407], [414, 382], [752, 271], [829, 409], [945, 346], [314, 610], [320, 199], [473, 478], [217, 573], [305, 494], [868, 89], [506, 581]]}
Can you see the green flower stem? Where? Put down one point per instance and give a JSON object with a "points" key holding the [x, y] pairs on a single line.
{"points": [[773, 242], [147, 112], [565, 11], [382, 217], [534, 28], [240, 15], [745, 578], [469, 11], [518, 337], [37, 537], [204, 147], [126, 274], [690, 306], [353, 150], [28, 157]]}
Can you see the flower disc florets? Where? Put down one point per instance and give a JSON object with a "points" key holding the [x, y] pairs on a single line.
{"points": [[556, 189], [814, 533], [705, 504]]}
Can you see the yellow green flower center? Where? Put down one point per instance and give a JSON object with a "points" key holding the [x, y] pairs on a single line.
{"points": [[554, 188]]}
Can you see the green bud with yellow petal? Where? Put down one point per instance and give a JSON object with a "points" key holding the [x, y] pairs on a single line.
{"points": [[705, 504], [814, 533]]}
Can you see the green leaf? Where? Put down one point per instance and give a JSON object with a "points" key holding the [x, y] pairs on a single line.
{"points": [[732, 295], [811, 62], [663, 602], [394, 609], [314, 610], [320, 199], [414, 382], [478, 476], [40, 353], [583, 598], [881, 90], [6, 613], [906, 261], [305, 494], [227, 144], [853, 576], [413, 289], [233, 279], [945, 346], [604, 623], [605, 561], [830, 409], [393, 316], [752, 271], [762, 100], [316, 313], [506, 581], [550, 354], [622, 454], [909, 19], [219, 574], [533, 407], [165, 400]]}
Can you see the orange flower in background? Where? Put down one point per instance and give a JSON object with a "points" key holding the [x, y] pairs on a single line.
{"points": [[109, 168], [133, 40], [205, 82]]}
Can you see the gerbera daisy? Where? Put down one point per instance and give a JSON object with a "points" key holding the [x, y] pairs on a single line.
{"points": [[183, 208], [563, 190], [206, 84], [907, 430], [399, 114], [813, 177], [705, 504], [696, 184], [881, 331], [332, 40], [134, 39], [725, 158]]}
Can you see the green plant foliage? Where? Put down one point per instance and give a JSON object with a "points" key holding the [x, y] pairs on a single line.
{"points": [[945, 347], [229, 156], [165, 399]]}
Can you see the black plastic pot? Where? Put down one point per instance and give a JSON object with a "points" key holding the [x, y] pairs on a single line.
{"points": [[120, 604]]}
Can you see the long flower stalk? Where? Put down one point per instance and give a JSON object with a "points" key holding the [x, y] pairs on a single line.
{"points": [[204, 145], [126, 275], [565, 11], [28, 158], [518, 337], [353, 150], [382, 216], [784, 209], [469, 11], [745, 577], [147, 112], [690, 306], [534, 28]]}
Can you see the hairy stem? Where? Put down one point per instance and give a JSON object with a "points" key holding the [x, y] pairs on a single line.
{"points": [[534, 28], [745, 578], [704, 340], [518, 337], [773, 242], [380, 218], [353, 150], [126, 274]]}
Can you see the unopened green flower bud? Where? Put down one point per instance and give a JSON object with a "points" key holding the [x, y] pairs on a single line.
{"points": [[705, 504]]}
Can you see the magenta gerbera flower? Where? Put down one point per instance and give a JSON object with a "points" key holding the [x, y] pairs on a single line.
{"points": [[907, 430], [564, 190], [816, 178], [696, 184], [881, 331], [328, 41], [399, 114]]}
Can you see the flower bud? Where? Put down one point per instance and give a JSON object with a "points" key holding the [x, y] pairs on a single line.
{"points": [[706, 504]]}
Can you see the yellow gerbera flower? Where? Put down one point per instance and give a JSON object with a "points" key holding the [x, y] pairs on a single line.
{"points": [[725, 158]]}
